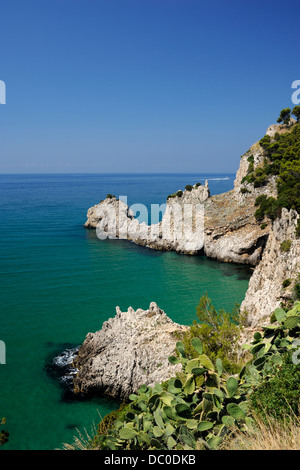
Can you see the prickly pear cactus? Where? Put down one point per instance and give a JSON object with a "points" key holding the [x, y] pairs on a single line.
{"points": [[200, 407]]}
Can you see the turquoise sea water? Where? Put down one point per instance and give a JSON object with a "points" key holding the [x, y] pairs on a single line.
{"points": [[59, 282]]}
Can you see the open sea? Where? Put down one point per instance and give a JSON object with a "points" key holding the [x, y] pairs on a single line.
{"points": [[59, 282]]}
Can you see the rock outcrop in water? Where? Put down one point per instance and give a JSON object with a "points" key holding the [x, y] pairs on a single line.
{"points": [[131, 349], [180, 230], [222, 226]]}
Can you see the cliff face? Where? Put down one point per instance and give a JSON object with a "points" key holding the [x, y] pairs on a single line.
{"points": [[232, 233], [131, 349], [280, 262]]}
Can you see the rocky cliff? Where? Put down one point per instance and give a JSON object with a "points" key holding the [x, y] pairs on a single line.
{"points": [[280, 262], [131, 349]]}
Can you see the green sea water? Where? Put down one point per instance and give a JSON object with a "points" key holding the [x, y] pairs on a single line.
{"points": [[59, 282]]}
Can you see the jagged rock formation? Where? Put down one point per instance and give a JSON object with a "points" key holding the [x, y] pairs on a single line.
{"points": [[131, 349], [280, 262], [232, 233], [181, 228]]}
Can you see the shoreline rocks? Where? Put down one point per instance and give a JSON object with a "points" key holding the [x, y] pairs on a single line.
{"points": [[131, 349]]}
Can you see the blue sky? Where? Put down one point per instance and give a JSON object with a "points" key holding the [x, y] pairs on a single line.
{"points": [[142, 85]]}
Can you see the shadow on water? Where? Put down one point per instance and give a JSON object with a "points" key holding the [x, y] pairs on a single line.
{"points": [[242, 271]]}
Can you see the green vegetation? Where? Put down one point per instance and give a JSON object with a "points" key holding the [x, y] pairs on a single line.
{"points": [[110, 196], [279, 397], [204, 404], [178, 194], [297, 288], [296, 113], [286, 283], [285, 116], [245, 191], [268, 206], [282, 159], [286, 246], [298, 229], [218, 331]]}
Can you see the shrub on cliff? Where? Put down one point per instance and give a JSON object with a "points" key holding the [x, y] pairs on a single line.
{"points": [[279, 397], [296, 112], [219, 332], [282, 159], [285, 116], [285, 246], [268, 206]]}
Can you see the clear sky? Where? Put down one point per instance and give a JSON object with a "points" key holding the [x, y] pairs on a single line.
{"points": [[142, 85]]}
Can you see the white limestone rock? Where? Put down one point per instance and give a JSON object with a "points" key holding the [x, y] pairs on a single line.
{"points": [[131, 349], [266, 292]]}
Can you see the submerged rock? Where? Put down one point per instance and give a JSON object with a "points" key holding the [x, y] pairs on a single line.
{"points": [[131, 349]]}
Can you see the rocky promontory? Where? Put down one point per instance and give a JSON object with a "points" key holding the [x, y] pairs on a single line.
{"points": [[222, 227], [130, 350], [180, 230]]}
